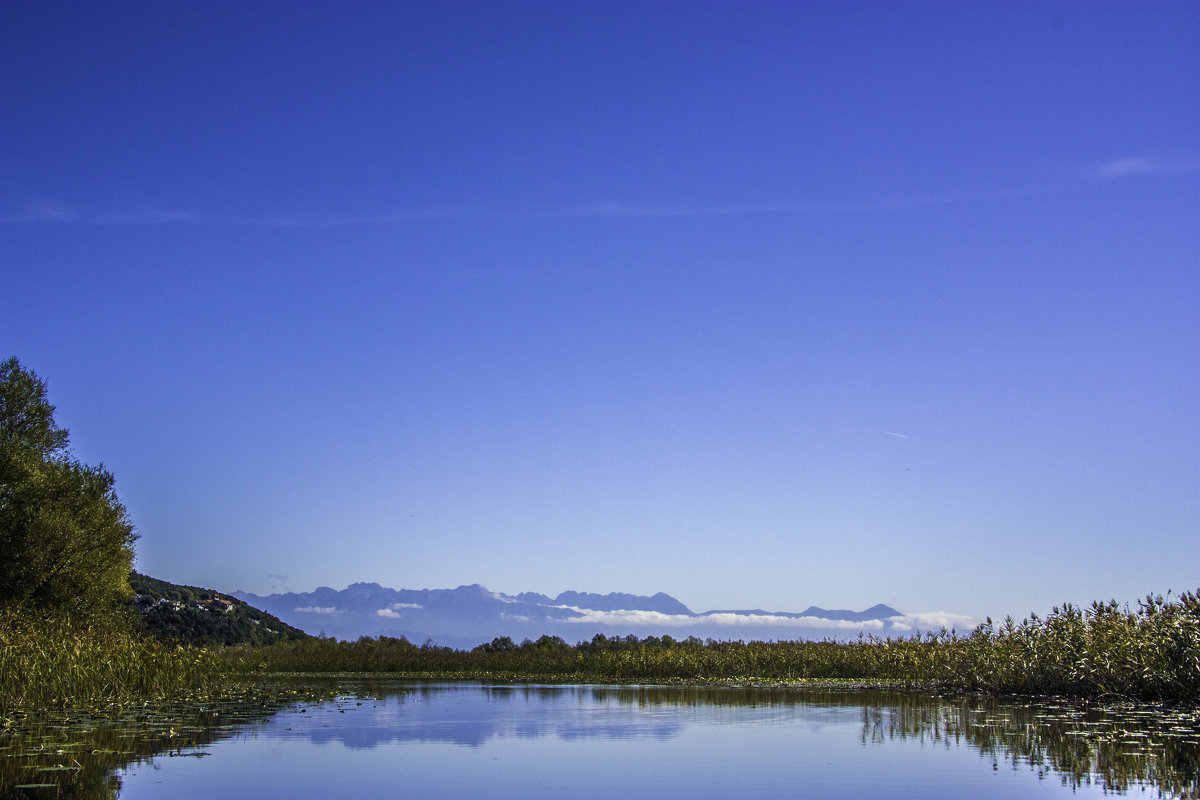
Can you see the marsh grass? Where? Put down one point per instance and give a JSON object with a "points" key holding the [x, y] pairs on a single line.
{"points": [[1149, 653], [59, 659]]}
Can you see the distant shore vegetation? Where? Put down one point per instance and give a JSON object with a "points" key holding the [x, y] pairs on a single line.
{"points": [[1147, 653], [77, 625]]}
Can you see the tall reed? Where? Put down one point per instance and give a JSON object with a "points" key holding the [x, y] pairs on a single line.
{"points": [[57, 659]]}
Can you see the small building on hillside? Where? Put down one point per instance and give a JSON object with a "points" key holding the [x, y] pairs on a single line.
{"points": [[221, 604]]}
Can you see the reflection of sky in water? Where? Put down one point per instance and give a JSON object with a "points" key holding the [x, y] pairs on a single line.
{"points": [[472, 741], [467, 716], [472, 716]]}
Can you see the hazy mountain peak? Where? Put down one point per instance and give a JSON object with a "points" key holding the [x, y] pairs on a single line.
{"points": [[619, 601], [471, 613], [880, 610]]}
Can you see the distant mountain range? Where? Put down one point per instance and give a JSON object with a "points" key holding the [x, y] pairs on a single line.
{"points": [[470, 615]]}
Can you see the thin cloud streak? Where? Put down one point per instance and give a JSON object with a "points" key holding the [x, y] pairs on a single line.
{"points": [[142, 218], [1142, 165], [895, 203], [618, 210], [37, 211], [339, 221], [328, 610], [32, 213]]}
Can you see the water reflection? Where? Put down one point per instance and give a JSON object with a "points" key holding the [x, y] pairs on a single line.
{"points": [[57, 753], [1117, 748], [60, 755]]}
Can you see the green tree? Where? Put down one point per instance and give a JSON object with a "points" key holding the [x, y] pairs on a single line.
{"points": [[65, 538]]}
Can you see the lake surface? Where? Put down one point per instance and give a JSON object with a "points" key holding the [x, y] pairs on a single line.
{"points": [[457, 740]]}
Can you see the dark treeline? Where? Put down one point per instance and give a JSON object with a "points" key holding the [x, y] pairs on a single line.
{"points": [[1151, 652]]}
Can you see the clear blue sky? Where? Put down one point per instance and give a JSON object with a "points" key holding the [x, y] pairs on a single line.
{"points": [[758, 304]]}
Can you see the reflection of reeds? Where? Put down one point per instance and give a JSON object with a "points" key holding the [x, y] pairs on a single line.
{"points": [[77, 752], [1117, 748], [81, 752], [48, 658], [1148, 653]]}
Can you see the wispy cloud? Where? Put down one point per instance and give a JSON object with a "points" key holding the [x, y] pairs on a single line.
{"points": [[1143, 165], [329, 610], [39, 211], [151, 217], [346, 220], [616, 210], [396, 610]]}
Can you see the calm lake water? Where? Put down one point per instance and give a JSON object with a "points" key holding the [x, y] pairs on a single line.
{"points": [[352, 738]]}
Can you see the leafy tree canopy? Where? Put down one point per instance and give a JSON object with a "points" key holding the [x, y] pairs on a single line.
{"points": [[65, 538]]}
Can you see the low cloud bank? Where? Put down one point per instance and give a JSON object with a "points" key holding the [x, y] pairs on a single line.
{"points": [[906, 623], [657, 619], [934, 621]]}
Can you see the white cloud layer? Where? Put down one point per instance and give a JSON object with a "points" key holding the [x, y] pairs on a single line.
{"points": [[934, 621], [657, 618], [906, 623], [317, 610]]}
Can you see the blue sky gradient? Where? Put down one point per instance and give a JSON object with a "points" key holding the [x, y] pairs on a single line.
{"points": [[757, 304]]}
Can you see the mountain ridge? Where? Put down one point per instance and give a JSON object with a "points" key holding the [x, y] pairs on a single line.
{"points": [[471, 613]]}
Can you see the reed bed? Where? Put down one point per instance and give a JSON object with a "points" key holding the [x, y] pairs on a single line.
{"points": [[57, 659], [1149, 653]]}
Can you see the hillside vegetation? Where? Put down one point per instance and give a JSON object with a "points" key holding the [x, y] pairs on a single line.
{"points": [[193, 615]]}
